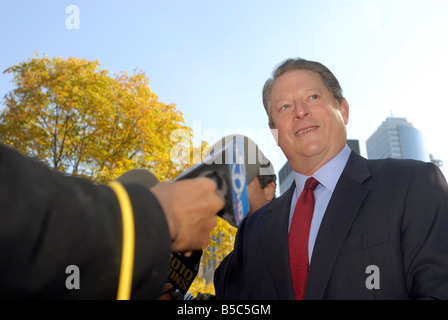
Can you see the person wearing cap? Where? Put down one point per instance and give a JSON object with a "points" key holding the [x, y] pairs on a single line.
{"points": [[63, 237], [260, 174], [348, 228], [261, 191]]}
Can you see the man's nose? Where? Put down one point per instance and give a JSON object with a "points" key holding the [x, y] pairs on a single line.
{"points": [[301, 110]]}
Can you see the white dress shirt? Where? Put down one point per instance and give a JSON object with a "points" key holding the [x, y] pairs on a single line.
{"points": [[328, 176]]}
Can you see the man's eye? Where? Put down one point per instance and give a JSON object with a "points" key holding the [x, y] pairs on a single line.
{"points": [[314, 97], [284, 107]]}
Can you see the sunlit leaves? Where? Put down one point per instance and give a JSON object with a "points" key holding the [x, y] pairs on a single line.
{"points": [[81, 120], [220, 245]]}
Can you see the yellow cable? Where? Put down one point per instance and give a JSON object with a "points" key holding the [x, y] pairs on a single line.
{"points": [[127, 258]]}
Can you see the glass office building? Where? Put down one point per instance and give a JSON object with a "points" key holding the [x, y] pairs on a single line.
{"points": [[397, 138], [285, 178]]}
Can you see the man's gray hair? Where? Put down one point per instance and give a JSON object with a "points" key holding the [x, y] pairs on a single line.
{"points": [[326, 75]]}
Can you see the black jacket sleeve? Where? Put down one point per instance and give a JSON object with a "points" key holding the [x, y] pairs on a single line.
{"points": [[49, 222], [424, 234]]}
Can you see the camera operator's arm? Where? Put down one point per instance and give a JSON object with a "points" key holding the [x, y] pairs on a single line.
{"points": [[49, 222]]}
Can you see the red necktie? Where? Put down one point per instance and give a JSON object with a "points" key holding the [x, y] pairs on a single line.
{"points": [[298, 237]]}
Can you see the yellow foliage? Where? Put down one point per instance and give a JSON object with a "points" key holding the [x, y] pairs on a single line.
{"points": [[81, 120], [200, 286], [221, 244]]}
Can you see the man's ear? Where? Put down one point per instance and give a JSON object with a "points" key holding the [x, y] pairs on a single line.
{"points": [[344, 110], [269, 191]]}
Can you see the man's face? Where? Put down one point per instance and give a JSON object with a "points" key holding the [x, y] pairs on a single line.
{"points": [[311, 125], [259, 197]]}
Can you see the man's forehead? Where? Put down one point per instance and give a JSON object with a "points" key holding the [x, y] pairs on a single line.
{"points": [[305, 80]]}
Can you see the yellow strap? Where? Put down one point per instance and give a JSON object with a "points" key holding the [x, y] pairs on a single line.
{"points": [[127, 258]]}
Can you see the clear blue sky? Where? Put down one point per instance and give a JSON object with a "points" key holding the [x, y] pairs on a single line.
{"points": [[212, 57]]}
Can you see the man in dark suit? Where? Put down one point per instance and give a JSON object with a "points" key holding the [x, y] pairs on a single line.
{"points": [[378, 228]]}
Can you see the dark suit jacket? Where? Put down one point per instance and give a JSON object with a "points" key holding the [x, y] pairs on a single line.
{"points": [[392, 214], [49, 221]]}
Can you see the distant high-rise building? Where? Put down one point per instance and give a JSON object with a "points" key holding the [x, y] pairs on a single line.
{"points": [[354, 145], [397, 138], [286, 175]]}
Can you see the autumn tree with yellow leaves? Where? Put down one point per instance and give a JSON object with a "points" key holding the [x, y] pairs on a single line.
{"points": [[82, 121]]}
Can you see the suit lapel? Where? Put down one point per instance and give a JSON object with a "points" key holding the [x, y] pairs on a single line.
{"points": [[275, 244], [339, 216]]}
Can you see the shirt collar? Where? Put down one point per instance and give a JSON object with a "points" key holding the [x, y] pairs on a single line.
{"points": [[328, 175]]}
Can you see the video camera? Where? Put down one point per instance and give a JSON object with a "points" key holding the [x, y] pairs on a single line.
{"points": [[227, 165]]}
